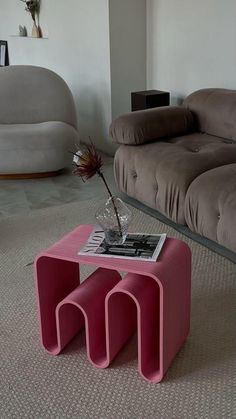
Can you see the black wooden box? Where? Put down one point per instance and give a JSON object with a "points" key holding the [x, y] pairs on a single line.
{"points": [[149, 99]]}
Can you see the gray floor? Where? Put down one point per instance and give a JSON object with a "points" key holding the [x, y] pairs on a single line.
{"points": [[19, 196]]}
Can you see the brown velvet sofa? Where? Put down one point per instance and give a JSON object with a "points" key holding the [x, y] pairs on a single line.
{"points": [[181, 161]]}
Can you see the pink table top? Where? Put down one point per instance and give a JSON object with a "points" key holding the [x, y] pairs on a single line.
{"points": [[68, 247]]}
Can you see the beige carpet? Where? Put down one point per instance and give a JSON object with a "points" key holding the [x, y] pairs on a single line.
{"points": [[33, 384]]}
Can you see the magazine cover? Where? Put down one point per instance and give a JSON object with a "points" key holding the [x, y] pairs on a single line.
{"points": [[137, 246]]}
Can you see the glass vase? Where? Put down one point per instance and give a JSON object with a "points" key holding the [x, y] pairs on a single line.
{"points": [[114, 218]]}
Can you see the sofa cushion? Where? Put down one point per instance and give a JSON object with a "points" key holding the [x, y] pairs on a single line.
{"points": [[151, 124], [214, 111], [35, 148], [159, 174], [210, 206]]}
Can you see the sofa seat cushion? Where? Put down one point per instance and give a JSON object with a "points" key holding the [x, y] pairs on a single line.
{"points": [[210, 206], [36, 148], [159, 174]]}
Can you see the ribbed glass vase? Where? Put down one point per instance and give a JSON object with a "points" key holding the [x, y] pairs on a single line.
{"points": [[114, 218]]}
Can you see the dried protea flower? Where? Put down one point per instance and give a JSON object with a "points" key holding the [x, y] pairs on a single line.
{"points": [[87, 162], [32, 6]]}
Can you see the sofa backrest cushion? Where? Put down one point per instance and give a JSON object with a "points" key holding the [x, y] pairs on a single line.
{"points": [[214, 111], [30, 94]]}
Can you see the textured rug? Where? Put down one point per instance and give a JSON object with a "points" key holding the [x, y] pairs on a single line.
{"points": [[201, 382], [183, 229]]}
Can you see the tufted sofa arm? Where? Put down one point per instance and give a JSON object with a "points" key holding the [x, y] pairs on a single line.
{"points": [[152, 124]]}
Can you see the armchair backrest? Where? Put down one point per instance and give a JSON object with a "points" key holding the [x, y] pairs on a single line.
{"points": [[30, 94], [214, 111]]}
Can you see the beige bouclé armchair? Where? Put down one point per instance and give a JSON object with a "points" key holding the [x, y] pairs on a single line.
{"points": [[38, 124]]}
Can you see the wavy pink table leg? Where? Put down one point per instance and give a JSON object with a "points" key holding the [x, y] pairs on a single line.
{"points": [[131, 304], [66, 307], [55, 279], [85, 306], [152, 297]]}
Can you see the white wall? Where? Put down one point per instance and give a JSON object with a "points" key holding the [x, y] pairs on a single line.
{"points": [[78, 49], [191, 44], [128, 51], [97, 46]]}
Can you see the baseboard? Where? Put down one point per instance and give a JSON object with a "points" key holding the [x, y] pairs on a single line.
{"points": [[30, 175]]}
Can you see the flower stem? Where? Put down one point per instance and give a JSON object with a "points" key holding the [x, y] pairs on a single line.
{"points": [[112, 199]]}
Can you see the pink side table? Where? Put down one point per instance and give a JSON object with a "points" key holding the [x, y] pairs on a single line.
{"points": [[152, 298]]}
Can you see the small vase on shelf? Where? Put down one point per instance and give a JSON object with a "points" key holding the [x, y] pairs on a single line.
{"points": [[22, 31], [33, 7], [114, 218], [36, 31]]}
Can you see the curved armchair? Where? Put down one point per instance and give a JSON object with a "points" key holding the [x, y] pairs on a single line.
{"points": [[37, 122]]}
